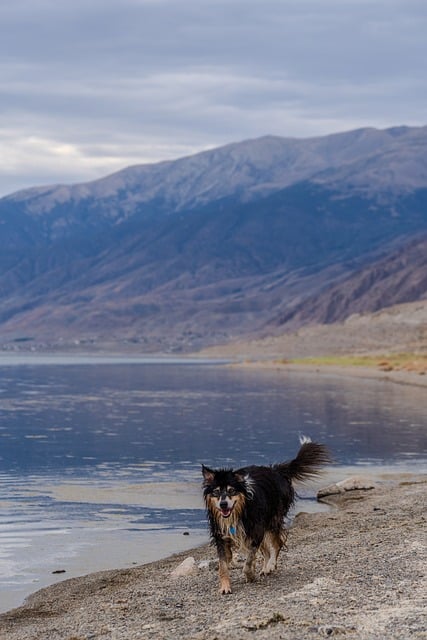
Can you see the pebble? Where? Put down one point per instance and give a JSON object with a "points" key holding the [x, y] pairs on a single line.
{"points": [[185, 568]]}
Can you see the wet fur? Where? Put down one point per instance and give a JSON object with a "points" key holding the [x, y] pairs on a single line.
{"points": [[258, 499]]}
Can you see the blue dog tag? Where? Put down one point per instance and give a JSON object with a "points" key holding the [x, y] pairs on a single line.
{"points": [[233, 531]]}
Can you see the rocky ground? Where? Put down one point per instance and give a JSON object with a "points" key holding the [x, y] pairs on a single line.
{"points": [[357, 571]]}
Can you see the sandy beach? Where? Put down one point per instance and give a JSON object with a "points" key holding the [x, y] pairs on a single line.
{"points": [[356, 571]]}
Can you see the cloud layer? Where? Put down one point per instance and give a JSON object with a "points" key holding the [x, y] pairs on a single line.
{"points": [[88, 88]]}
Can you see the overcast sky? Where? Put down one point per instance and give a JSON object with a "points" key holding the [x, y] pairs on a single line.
{"points": [[91, 86]]}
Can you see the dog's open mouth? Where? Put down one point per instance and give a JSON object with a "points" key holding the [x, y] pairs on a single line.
{"points": [[226, 512]]}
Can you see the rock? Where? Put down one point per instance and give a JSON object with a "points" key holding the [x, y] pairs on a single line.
{"points": [[186, 568], [355, 483], [334, 630], [254, 623]]}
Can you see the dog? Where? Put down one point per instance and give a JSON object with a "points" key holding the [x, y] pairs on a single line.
{"points": [[246, 508]]}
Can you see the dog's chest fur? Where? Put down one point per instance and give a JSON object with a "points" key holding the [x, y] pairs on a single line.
{"points": [[232, 529]]}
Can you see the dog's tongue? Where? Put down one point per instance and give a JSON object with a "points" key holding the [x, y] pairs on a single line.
{"points": [[225, 512]]}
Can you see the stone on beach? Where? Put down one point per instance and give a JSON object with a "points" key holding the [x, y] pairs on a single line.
{"points": [[355, 483], [185, 568]]}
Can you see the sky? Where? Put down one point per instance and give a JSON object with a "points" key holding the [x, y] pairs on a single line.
{"points": [[89, 87]]}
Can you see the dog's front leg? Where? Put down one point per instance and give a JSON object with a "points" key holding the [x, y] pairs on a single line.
{"points": [[224, 556], [249, 566]]}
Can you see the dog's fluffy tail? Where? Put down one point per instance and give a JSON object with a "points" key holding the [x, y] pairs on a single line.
{"points": [[309, 460]]}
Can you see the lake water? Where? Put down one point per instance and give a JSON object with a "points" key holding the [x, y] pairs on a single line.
{"points": [[100, 459]]}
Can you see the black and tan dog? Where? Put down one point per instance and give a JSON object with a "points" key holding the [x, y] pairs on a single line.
{"points": [[246, 508]]}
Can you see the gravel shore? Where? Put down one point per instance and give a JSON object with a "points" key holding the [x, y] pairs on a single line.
{"points": [[357, 571]]}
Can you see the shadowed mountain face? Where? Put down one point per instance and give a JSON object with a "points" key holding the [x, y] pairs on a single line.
{"points": [[398, 278], [208, 248]]}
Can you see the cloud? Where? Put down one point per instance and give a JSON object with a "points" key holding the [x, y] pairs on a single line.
{"points": [[87, 88]]}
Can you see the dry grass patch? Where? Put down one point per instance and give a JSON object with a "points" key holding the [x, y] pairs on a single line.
{"points": [[416, 363]]}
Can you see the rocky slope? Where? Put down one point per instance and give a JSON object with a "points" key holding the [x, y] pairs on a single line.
{"points": [[398, 278], [398, 329]]}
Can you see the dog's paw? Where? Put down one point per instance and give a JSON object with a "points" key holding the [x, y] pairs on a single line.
{"points": [[224, 591], [249, 572], [266, 571], [225, 587]]}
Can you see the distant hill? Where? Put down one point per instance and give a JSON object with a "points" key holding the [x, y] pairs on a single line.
{"points": [[399, 277], [178, 255]]}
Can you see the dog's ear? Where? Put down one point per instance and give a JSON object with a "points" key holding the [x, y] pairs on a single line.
{"points": [[244, 478], [208, 474]]}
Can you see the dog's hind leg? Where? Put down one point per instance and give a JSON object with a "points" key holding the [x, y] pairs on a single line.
{"points": [[265, 549], [270, 549]]}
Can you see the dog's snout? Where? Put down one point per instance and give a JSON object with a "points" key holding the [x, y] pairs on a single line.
{"points": [[223, 504]]}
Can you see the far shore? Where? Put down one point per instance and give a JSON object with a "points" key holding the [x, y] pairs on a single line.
{"points": [[232, 356], [355, 371]]}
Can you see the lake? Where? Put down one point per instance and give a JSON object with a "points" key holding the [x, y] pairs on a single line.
{"points": [[100, 458]]}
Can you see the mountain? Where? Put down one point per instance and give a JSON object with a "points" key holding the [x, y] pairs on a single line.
{"points": [[204, 249], [372, 161], [398, 278]]}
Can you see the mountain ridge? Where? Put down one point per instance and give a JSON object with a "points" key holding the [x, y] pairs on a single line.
{"points": [[283, 161]]}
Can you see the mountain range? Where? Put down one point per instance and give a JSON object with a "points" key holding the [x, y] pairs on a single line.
{"points": [[263, 235]]}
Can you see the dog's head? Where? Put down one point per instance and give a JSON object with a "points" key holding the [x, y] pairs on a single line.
{"points": [[225, 491]]}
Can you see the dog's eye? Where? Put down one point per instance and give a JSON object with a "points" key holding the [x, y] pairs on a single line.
{"points": [[231, 491], [216, 493]]}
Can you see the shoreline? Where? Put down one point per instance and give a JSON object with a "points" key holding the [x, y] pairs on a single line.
{"points": [[356, 570], [218, 356], [351, 371], [100, 550]]}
